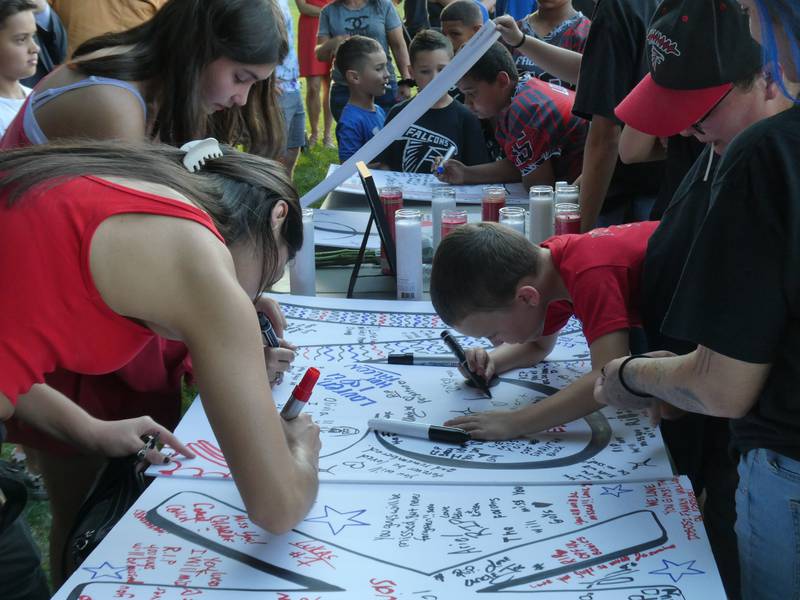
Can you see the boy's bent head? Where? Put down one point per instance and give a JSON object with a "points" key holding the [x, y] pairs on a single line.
{"points": [[362, 62], [18, 49], [489, 85], [460, 21], [430, 52], [478, 269], [428, 40]]}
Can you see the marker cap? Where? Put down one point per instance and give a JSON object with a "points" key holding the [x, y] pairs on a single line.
{"points": [[302, 390]]}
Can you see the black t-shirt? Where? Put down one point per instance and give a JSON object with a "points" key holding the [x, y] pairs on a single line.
{"points": [[614, 61], [431, 136], [416, 16], [739, 294], [668, 248], [585, 6], [682, 152]]}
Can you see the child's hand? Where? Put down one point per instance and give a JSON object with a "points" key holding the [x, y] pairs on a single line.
{"points": [[403, 92], [508, 29], [495, 425], [480, 361], [452, 172], [279, 360]]}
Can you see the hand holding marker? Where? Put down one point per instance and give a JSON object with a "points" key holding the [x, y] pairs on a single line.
{"points": [[456, 348], [302, 392], [268, 331], [447, 156]]}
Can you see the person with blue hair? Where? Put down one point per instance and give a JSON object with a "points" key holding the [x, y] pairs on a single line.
{"points": [[738, 299]]}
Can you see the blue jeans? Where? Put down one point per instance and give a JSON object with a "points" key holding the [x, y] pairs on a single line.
{"points": [[294, 119], [340, 94], [768, 525]]}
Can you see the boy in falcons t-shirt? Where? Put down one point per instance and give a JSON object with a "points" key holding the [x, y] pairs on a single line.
{"points": [[540, 137], [447, 123]]}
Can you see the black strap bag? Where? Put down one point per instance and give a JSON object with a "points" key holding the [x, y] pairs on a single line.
{"points": [[117, 487]]}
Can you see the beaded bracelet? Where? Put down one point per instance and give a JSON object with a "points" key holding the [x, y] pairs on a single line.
{"points": [[622, 381]]}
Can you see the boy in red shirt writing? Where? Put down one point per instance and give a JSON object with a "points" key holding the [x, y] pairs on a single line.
{"points": [[488, 281]]}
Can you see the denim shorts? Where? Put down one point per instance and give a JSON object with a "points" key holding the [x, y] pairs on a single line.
{"points": [[294, 117]]}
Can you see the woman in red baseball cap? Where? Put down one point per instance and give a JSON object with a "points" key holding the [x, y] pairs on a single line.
{"points": [[737, 298]]}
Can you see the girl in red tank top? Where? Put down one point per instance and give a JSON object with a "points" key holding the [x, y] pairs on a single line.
{"points": [[197, 68], [110, 243]]}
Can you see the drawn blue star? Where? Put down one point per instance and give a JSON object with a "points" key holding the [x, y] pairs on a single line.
{"points": [[106, 570], [339, 520], [615, 491], [677, 570]]}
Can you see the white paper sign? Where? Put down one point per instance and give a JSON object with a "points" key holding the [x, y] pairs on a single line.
{"points": [[333, 330], [418, 186], [608, 445], [599, 542], [343, 229]]}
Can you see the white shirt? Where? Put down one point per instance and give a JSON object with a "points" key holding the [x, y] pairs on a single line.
{"points": [[9, 107]]}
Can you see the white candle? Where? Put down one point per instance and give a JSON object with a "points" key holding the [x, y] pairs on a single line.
{"points": [[303, 270], [442, 198], [408, 233], [542, 213], [567, 194], [513, 217]]}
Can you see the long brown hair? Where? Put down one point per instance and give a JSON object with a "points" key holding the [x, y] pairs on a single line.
{"points": [[171, 50], [238, 190]]}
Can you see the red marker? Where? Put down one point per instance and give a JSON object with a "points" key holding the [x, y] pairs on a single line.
{"points": [[300, 395]]}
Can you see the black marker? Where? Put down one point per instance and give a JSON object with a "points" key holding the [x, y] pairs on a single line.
{"points": [[267, 331], [453, 344], [435, 433], [429, 360]]}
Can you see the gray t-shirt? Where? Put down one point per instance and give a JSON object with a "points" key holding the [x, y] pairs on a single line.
{"points": [[374, 20]]}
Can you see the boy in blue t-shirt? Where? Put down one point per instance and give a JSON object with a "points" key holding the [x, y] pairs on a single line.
{"points": [[363, 63]]}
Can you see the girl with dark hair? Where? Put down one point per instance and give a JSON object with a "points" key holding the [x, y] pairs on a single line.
{"points": [[197, 68], [110, 244], [376, 19], [18, 56]]}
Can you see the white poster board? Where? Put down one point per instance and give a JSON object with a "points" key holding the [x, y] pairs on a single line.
{"points": [[608, 445], [343, 229], [334, 330], [418, 186], [598, 542]]}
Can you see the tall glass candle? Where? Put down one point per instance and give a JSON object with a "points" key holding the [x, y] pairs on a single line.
{"points": [[494, 198], [452, 219], [542, 213], [513, 217], [568, 218], [303, 270], [392, 201], [408, 227], [442, 198]]}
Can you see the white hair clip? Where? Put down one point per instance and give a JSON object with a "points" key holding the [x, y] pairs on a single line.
{"points": [[198, 152]]}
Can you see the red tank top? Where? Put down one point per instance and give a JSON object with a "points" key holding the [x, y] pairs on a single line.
{"points": [[51, 314]]}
